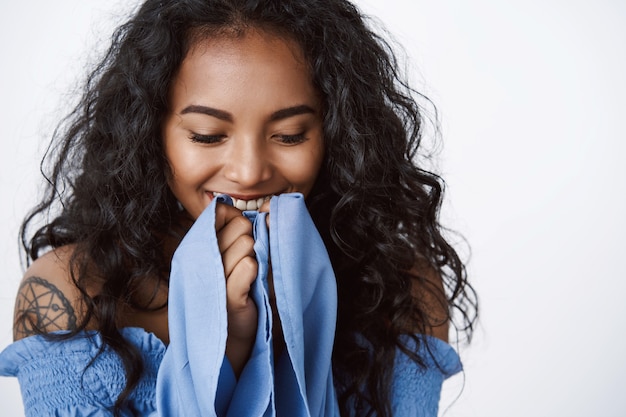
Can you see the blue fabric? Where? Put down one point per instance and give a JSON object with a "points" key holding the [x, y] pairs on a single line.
{"points": [[416, 391], [51, 376], [54, 381], [306, 298], [194, 378]]}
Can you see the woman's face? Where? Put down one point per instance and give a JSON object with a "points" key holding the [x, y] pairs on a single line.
{"points": [[244, 120]]}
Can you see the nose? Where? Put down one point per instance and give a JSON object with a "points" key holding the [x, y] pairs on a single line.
{"points": [[247, 162]]}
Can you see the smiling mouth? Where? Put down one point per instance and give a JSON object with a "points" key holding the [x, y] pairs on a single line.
{"points": [[247, 204]]}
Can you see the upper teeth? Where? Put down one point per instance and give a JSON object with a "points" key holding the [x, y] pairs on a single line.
{"points": [[247, 204]]}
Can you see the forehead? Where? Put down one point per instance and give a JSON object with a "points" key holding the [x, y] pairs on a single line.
{"points": [[251, 62]]}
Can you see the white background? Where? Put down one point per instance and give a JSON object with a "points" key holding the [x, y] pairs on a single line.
{"points": [[532, 101]]}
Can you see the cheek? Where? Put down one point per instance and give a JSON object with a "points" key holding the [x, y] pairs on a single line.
{"points": [[305, 168], [188, 166]]}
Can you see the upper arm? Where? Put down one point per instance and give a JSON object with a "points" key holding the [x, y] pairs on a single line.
{"points": [[47, 299]]}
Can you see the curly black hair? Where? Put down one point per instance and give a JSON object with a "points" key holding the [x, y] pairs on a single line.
{"points": [[376, 209]]}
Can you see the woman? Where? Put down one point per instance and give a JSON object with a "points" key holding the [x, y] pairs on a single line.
{"points": [[253, 99]]}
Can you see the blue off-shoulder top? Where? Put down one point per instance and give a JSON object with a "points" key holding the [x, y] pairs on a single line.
{"points": [[191, 376], [54, 381]]}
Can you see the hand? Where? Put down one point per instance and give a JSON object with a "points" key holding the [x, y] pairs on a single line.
{"points": [[235, 242]]}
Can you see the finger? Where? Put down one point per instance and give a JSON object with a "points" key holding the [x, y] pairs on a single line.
{"points": [[224, 213], [239, 282], [241, 248], [265, 208], [232, 230]]}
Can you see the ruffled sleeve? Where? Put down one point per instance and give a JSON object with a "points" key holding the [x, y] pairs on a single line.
{"points": [[416, 390], [55, 380]]}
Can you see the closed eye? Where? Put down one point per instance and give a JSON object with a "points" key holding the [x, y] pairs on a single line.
{"points": [[195, 137], [292, 139]]}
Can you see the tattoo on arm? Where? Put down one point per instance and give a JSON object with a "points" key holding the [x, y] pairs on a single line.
{"points": [[41, 308]]}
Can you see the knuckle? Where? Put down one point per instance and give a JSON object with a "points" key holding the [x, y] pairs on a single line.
{"points": [[242, 224], [249, 266], [243, 273], [245, 241]]}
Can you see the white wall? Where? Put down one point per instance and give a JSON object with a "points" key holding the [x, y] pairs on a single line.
{"points": [[531, 94]]}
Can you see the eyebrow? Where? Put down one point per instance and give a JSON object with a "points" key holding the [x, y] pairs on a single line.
{"points": [[209, 111], [224, 115], [290, 112]]}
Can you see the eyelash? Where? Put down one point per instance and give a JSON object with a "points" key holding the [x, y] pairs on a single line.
{"points": [[292, 139], [285, 139], [209, 139]]}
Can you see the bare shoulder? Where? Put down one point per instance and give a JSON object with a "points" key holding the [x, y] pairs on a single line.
{"points": [[431, 294], [47, 299]]}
